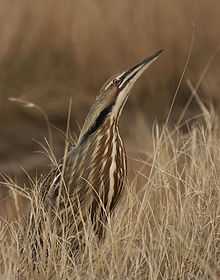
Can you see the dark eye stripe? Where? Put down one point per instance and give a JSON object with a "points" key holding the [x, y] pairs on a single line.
{"points": [[116, 82]]}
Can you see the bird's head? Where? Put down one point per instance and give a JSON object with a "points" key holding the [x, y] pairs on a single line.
{"points": [[113, 96]]}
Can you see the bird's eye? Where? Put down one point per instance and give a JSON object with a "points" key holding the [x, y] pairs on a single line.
{"points": [[116, 82]]}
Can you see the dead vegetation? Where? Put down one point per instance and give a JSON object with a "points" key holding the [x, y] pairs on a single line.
{"points": [[167, 226], [50, 51]]}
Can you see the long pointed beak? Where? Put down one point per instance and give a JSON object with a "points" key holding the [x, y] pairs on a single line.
{"points": [[135, 72]]}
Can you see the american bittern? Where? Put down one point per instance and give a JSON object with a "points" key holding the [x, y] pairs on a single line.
{"points": [[93, 175]]}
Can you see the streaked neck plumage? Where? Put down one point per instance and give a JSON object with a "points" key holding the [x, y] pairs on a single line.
{"points": [[97, 166], [113, 97]]}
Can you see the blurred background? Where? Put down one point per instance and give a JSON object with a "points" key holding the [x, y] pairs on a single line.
{"points": [[52, 51]]}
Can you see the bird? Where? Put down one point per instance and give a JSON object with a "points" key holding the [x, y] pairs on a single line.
{"points": [[91, 178]]}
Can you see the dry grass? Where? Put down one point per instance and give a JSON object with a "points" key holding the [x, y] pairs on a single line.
{"points": [[51, 51], [166, 227]]}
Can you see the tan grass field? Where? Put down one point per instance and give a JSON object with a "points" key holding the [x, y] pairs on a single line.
{"points": [[167, 226], [51, 51]]}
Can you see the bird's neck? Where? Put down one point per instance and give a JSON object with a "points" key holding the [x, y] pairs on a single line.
{"points": [[106, 131]]}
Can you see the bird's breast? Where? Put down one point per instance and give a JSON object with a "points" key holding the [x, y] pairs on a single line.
{"points": [[100, 166]]}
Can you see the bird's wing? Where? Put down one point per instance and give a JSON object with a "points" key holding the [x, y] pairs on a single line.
{"points": [[55, 178]]}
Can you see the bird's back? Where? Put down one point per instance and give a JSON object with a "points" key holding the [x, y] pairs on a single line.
{"points": [[87, 185], [92, 176]]}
